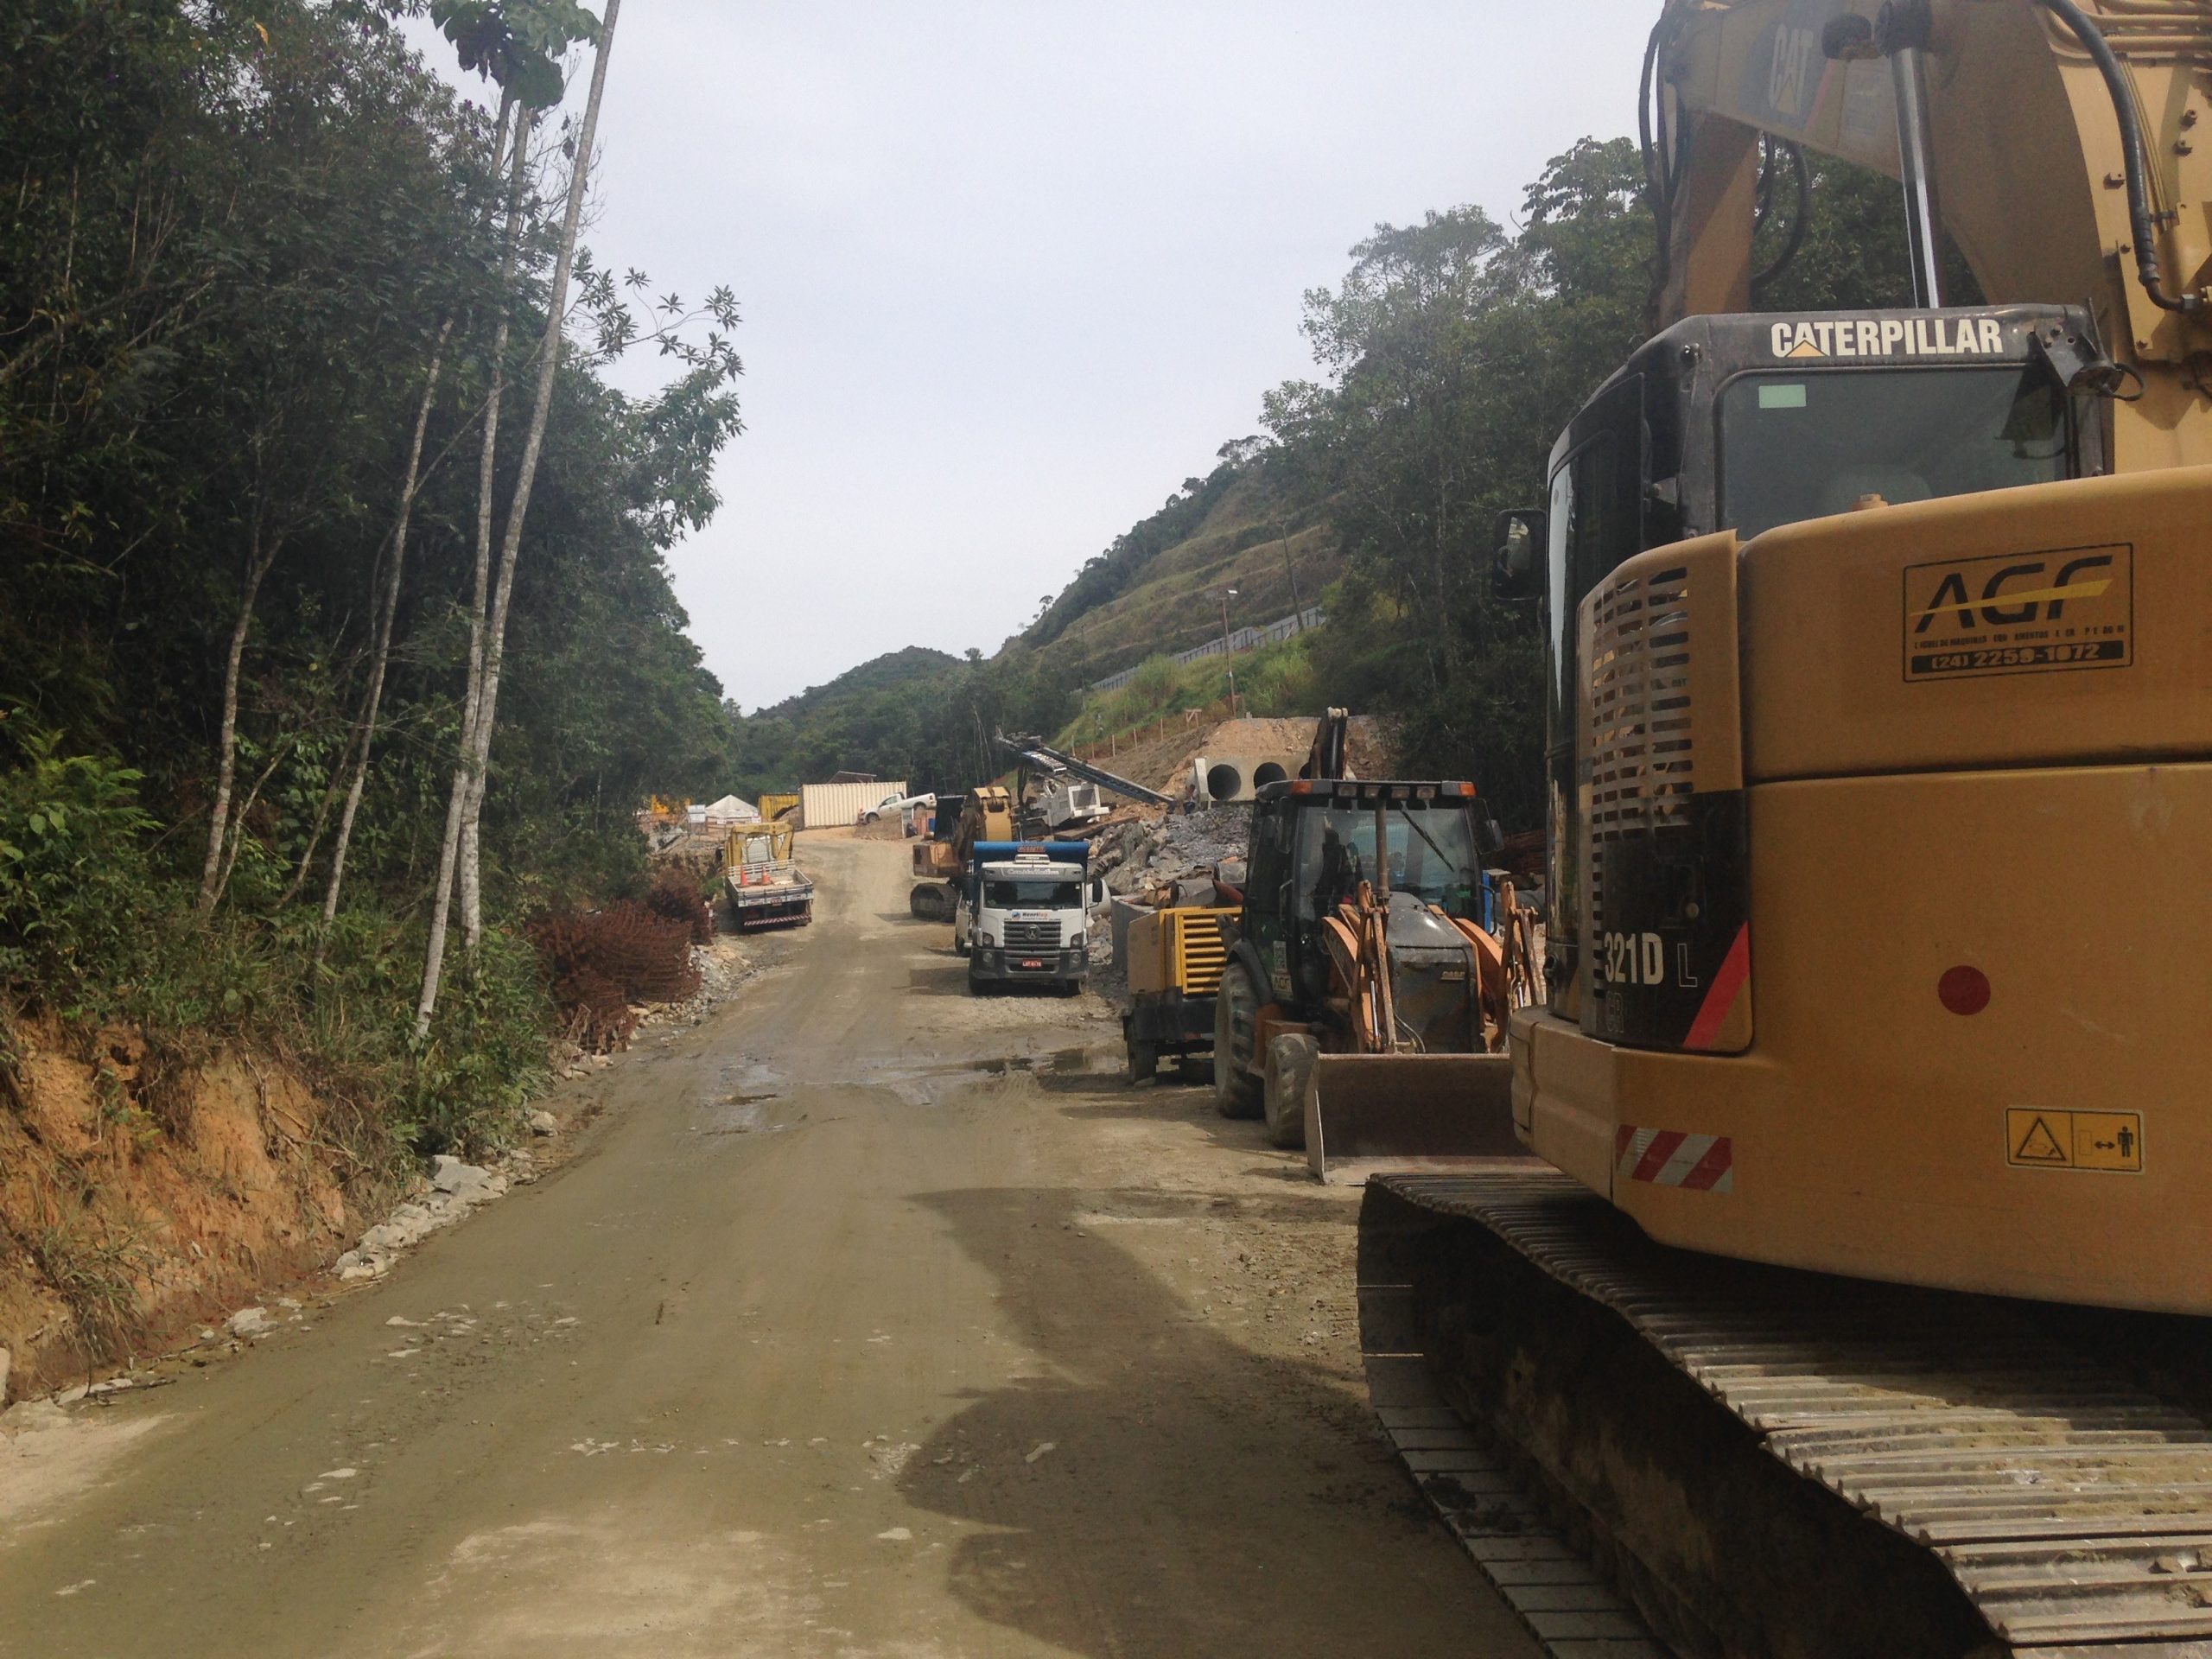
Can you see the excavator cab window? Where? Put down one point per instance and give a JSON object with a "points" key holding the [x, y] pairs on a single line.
{"points": [[1798, 446]]}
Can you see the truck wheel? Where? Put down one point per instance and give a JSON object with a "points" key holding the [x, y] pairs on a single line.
{"points": [[976, 984], [1290, 1064], [1144, 1061], [1235, 1009]]}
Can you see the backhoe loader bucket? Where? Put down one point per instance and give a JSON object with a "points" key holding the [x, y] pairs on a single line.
{"points": [[1368, 1113]]}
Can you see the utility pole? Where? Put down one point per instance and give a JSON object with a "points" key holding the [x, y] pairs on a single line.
{"points": [[1225, 595]]}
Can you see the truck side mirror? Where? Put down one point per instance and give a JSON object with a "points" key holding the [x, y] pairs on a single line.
{"points": [[1516, 571]]}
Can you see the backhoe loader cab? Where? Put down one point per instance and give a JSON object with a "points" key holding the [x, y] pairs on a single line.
{"points": [[1313, 843]]}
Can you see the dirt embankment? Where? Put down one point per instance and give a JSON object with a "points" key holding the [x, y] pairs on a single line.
{"points": [[139, 1196], [1161, 755]]}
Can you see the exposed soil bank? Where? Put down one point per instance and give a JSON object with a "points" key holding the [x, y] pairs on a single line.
{"points": [[138, 1200]]}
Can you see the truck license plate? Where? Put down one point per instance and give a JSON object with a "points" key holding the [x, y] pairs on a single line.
{"points": [[1032, 962]]}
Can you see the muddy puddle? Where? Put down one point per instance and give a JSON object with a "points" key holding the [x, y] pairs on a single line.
{"points": [[933, 1084], [745, 1090]]}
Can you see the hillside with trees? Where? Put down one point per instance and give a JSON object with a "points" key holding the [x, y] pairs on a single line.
{"points": [[334, 613]]}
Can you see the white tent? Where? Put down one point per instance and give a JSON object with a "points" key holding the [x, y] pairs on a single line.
{"points": [[730, 809]]}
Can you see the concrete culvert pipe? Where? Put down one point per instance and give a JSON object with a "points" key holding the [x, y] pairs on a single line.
{"points": [[1268, 772], [1224, 782]]}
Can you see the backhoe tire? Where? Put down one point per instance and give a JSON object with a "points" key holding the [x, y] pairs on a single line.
{"points": [[1290, 1065], [1235, 1010]]}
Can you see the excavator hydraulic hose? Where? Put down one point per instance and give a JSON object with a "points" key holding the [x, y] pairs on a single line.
{"points": [[2141, 225]]}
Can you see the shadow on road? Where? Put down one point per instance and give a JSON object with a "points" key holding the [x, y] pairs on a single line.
{"points": [[1160, 1489], [1105, 1095]]}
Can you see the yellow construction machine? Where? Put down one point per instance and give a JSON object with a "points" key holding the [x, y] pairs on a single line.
{"points": [[1881, 871], [985, 813], [1172, 958]]}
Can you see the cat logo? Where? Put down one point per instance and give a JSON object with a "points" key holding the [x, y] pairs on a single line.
{"points": [[1920, 336], [1790, 82], [2020, 612]]}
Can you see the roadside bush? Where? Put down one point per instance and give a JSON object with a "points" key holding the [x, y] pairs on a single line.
{"points": [[94, 931], [73, 877], [465, 1089]]}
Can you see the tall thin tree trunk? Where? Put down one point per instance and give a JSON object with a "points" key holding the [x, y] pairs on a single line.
{"points": [[449, 845], [480, 602], [465, 783], [479, 737], [510, 543], [387, 613], [260, 555]]}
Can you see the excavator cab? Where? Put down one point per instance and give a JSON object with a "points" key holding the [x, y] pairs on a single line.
{"points": [[1744, 424]]}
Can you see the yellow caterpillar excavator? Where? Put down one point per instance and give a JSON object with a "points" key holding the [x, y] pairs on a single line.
{"points": [[1880, 850]]}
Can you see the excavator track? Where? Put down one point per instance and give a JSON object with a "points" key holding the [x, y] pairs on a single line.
{"points": [[1762, 1461]]}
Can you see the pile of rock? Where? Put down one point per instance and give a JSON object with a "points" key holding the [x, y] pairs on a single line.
{"points": [[455, 1188], [1154, 862]]}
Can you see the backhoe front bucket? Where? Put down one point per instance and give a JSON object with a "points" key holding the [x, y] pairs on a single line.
{"points": [[1366, 1113]]}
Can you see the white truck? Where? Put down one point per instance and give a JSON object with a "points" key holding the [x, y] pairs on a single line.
{"points": [[1022, 915]]}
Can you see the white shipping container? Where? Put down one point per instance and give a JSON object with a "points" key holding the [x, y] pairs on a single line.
{"points": [[824, 806]]}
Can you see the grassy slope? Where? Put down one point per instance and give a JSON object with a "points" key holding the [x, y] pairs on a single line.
{"points": [[1275, 679], [1171, 607]]}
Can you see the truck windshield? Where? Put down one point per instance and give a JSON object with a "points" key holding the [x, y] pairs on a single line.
{"points": [[1431, 854], [1805, 445], [1036, 893]]}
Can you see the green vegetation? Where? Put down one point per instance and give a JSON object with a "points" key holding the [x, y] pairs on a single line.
{"points": [[267, 283], [1277, 679], [915, 715]]}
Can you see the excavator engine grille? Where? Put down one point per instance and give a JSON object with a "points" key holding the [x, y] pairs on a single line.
{"points": [[1642, 763]]}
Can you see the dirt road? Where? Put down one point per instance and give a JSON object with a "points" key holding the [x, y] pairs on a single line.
{"points": [[870, 1319]]}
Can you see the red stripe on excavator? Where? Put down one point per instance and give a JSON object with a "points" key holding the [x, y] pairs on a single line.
{"points": [[1728, 985], [1696, 1163], [1663, 1146], [1719, 1158]]}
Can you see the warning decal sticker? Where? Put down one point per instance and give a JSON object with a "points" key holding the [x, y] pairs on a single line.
{"points": [[2036, 1137], [2020, 613]]}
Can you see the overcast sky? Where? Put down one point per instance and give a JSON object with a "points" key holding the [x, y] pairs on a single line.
{"points": [[1011, 272]]}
